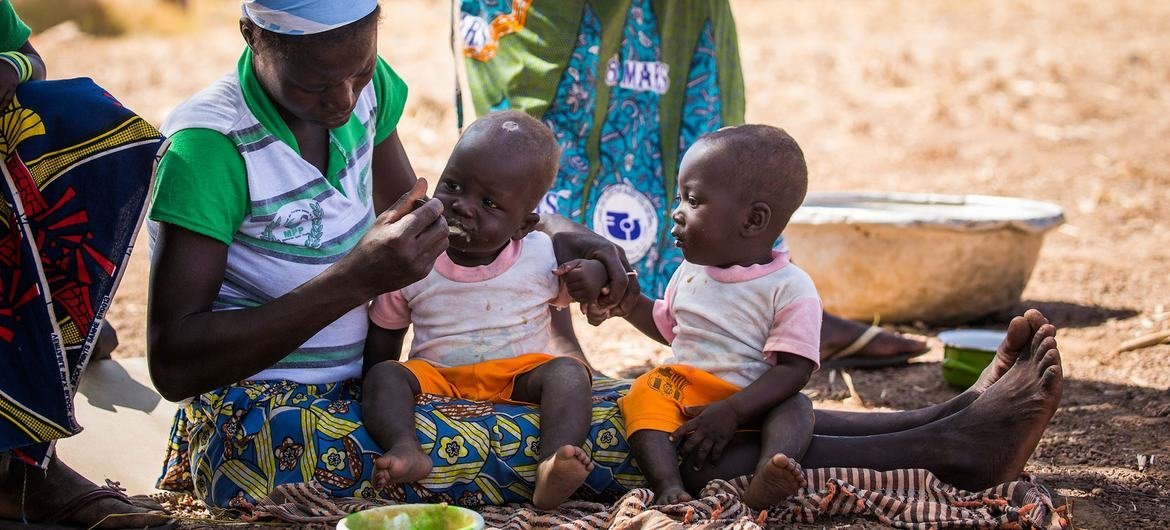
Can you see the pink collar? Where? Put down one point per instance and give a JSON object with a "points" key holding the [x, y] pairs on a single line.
{"points": [[739, 273], [458, 273]]}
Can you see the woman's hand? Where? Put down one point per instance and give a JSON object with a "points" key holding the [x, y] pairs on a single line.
{"points": [[573, 241], [402, 245]]}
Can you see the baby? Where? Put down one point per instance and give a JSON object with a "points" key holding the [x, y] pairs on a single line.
{"points": [[743, 323], [481, 317]]}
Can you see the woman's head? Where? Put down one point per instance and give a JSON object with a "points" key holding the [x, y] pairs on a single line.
{"points": [[313, 70]]}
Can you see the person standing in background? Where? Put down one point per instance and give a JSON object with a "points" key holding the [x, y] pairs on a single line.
{"points": [[51, 300]]}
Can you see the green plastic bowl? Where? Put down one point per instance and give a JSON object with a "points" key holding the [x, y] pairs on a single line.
{"points": [[413, 517], [966, 352]]}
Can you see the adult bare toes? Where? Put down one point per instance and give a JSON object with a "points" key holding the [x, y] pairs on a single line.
{"points": [[1018, 338]]}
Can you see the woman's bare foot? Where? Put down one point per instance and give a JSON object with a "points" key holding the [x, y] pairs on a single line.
{"points": [[993, 438], [672, 495], [1023, 332], [838, 333], [558, 476], [400, 465], [776, 480], [46, 493]]}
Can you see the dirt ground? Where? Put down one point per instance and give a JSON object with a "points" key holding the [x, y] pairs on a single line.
{"points": [[1058, 100]]}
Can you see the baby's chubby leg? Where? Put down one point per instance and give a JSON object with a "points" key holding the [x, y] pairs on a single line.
{"points": [[388, 398], [787, 432], [562, 387], [657, 457]]}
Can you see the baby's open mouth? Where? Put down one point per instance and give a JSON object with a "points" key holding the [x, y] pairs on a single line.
{"points": [[458, 231]]}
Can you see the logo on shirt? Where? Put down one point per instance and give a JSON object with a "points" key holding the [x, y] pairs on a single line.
{"points": [[296, 223], [641, 76], [626, 216], [668, 383]]}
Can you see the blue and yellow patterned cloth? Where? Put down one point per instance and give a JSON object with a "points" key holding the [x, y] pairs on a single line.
{"points": [[236, 444]]}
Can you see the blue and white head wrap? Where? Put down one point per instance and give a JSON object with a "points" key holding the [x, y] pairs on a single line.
{"points": [[305, 17]]}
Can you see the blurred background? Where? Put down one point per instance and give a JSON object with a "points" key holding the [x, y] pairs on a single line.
{"points": [[1065, 101]]}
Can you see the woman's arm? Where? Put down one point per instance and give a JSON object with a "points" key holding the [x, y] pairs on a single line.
{"points": [[38, 64], [393, 174], [10, 77], [192, 349]]}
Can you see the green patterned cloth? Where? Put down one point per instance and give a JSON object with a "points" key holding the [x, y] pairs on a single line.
{"points": [[627, 86]]}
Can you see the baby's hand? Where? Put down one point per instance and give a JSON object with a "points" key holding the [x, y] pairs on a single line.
{"points": [[706, 435], [584, 278], [595, 313]]}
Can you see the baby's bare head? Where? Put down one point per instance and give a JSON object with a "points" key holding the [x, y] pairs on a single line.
{"points": [[521, 142], [763, 163]]}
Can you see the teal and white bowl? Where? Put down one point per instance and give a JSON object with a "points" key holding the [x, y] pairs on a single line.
{"points": [[966, 352], [413, 517]]}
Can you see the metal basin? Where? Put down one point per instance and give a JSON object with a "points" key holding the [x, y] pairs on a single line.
{"points": [[903, 257]]}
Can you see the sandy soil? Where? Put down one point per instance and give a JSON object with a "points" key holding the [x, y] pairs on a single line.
{"points": [[1065, 101]]}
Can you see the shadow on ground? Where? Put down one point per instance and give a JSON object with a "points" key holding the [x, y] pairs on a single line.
{"points": [[1061, 314]]}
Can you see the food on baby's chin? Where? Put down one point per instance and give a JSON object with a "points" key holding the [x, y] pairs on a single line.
{"points": [[456, 230]]}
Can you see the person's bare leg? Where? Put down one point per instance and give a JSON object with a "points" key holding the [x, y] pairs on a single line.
{"points": [[1022, 331], [34, 494], [106, 343], [388, 399], [562, 388], [837, 333], [984, 444], [657, 457], [786, 434]]}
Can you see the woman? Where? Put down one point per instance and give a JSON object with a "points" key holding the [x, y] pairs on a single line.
{"points": [[628, 86], [67, 221], [268, 247]]}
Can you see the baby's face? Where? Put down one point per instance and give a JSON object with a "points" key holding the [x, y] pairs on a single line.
{"points": [[485, 203], [709, 213]]}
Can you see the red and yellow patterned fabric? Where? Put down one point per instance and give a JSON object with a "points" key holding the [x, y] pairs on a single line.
{"points": [[77, 169]]}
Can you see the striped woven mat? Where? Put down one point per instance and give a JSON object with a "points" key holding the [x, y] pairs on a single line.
{"points": [[906, 498]]}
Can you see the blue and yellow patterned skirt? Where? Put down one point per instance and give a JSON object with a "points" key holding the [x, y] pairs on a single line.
{"points": [[236, 444]]}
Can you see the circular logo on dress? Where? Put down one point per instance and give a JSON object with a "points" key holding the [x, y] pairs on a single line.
{"points": [[626, 216]]}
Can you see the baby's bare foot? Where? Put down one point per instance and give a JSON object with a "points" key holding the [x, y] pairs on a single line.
{"points": [[775, 481], [558, 476], [672, 495], [400, 465]]}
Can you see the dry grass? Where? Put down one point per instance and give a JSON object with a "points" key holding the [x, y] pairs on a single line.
{"points": [[106, 18]]}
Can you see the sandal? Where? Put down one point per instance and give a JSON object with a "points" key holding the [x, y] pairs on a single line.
{"points": [[112, 490], [848, 357]]}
